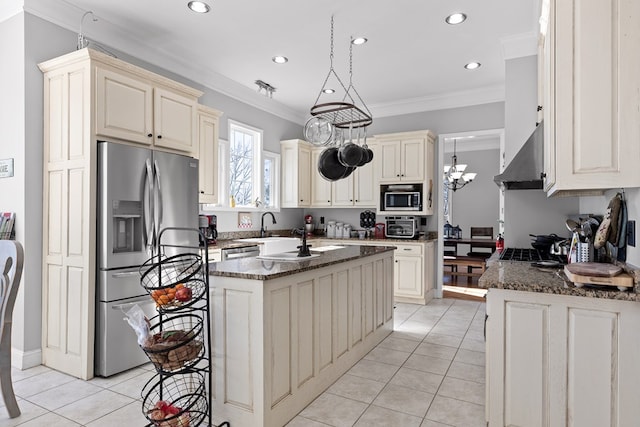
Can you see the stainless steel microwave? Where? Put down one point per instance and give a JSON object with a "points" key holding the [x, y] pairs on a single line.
{"points": [[402, 201]]}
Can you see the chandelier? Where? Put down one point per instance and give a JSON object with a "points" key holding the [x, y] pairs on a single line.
{"points": [[454, 174]]}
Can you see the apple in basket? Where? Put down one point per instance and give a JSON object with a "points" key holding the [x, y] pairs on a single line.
{"points": [[183, 294], [164, 414]]}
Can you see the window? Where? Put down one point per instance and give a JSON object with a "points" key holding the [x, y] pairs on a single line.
{"points": [[246, 172]]}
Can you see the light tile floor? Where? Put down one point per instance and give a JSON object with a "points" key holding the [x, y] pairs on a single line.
{"points": [[429, 372]]}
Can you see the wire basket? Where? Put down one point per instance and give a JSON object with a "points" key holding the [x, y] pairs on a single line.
{"points": [[162, 272], [180, 296], [176, 343], [186, 393]]}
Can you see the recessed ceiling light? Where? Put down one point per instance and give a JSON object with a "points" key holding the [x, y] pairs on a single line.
{"points": [[456, 18], [198, 6], [280, 59], [328, 91], [472, 65], [359, 40]]}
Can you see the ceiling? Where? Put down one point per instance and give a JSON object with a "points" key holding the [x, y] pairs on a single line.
{"points": [[413, 60]]}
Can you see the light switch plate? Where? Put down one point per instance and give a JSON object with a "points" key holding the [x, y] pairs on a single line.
{"points": [[631, 233]]}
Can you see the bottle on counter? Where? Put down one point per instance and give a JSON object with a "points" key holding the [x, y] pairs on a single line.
{"points": [[499, 243]]}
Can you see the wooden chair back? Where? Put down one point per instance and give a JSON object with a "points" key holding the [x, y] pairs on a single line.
{"points": [[480, 233], [11, 263]]}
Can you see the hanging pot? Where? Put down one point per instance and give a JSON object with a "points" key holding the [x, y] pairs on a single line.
{"points": [[330, 167], [349, 153]]}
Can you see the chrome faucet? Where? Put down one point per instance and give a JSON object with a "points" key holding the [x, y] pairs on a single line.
{"points": [[263, 233]]}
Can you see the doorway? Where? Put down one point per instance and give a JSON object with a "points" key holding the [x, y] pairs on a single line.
{"points": [[483, 152]]}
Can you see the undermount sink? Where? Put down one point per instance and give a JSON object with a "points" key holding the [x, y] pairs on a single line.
{"points": [[287, 256], [327, 248], [273, 245]]}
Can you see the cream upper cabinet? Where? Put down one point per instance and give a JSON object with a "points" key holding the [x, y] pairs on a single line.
{"points": [[131, 109], [406, 158], [402, 160], [357, 190], [296, 176], [320, 187], [591, 96], [208, 122], [87, 96]]}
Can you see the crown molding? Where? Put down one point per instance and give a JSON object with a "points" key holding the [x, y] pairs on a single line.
{"points": [[519, 45], [10, 8], [67, 16], [440, 102]]}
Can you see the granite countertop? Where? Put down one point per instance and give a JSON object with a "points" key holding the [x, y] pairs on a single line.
{"points": [[238, 243], [263, 269], [522, 276]]}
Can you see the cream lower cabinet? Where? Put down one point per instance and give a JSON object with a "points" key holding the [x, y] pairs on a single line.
{"points": [[208, 125], [132, 108], [215, 255], [556, 360], [296, 176], [591, 101], [76, 115]]}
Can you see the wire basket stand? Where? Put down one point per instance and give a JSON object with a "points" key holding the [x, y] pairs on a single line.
{"points": [[180, 343]]}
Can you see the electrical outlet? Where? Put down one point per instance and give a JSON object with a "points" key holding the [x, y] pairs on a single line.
{"points": [[631, 233]]}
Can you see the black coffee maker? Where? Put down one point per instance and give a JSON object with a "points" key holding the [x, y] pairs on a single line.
{"points": [[209, 228]]}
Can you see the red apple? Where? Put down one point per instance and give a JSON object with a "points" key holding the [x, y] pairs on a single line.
{"points": [[184, 294], [173, 410]]}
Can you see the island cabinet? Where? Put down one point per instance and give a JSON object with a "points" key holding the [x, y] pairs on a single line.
{"points": [[559, 360], [591, 107], [296, 175], [208, 127], [285, 331], [132, 108], [89, 96]]}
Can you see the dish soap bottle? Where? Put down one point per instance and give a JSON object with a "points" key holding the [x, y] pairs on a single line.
{"points": [[232, 201]]}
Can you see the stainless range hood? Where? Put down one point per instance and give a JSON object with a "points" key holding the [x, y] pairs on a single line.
{"points": [[524, 171]]}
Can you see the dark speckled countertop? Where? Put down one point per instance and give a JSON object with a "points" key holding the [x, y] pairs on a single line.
{"points": [[522, 276], [263, 269]]}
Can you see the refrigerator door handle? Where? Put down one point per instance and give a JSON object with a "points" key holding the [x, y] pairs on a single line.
{"points": [[131, 303], [148, 207], [158, 198]]}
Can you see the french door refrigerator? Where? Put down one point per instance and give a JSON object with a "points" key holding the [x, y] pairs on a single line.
{"points": [[140, 192]]}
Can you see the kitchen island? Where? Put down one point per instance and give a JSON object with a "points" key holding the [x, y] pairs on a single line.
{"points": [[558, 354], [284, 331]]}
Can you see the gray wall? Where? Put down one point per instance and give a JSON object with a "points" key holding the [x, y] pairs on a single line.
{"points": [[477, 204], [527, 211]]}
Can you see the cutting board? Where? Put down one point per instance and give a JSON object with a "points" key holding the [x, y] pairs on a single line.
{"points": [[594, 269], [622, 281]]}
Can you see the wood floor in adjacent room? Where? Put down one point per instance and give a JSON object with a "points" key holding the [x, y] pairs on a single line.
{"points": [[459, 287]]}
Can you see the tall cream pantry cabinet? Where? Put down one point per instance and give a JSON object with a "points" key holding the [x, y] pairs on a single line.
{"points": [[90, 96], [591, 95]]}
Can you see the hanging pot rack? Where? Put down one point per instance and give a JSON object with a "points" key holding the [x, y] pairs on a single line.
{"points": [[342, 114]]}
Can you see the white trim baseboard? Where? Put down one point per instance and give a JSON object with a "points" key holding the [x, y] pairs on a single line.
{"points": [[25, 359]]}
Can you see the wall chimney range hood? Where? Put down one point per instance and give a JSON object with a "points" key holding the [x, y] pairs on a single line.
{"points": [[524, 171]]}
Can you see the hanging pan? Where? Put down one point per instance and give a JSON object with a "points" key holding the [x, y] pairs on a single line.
{"points": [[330, 167]]}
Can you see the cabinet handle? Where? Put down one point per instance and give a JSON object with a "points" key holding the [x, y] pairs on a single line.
{"points": [[406, 249], [543, 175], [159, 136], [149, 135], [202, 192]]}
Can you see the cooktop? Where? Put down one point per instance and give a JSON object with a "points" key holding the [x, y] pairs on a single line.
{"points": [[531, 255]]}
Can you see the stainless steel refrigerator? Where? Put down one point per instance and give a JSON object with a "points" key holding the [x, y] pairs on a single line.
{"points": [[140, 192]]}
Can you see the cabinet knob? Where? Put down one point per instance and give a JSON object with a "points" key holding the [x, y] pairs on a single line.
{"points": [[539, 108], [543, 175], [159, 136], [202, 192], [149, 135], [356, 200], [398, 175], [328, 201]]}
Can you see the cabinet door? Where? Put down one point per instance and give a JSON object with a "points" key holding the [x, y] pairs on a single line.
{"points": [[412, 160], [208, 158], [320, 187], [365, 183], [343, 191], [389, 161], [304, 177], [408, 276], [174, 121], [124, 107]]}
